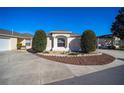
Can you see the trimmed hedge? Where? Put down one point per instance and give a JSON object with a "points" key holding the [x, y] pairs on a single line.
{"points": [[88, 41], [39, 41]]}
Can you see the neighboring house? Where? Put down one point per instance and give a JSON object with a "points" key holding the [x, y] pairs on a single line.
{"points": [[104, 41], [109, 40], [118, 42], [63, 41], [9, 40]]}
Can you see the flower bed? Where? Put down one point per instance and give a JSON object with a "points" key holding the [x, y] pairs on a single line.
{"points": [[87, 59]]}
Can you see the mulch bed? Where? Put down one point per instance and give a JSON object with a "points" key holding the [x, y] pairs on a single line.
{"points": [[81, 60]]}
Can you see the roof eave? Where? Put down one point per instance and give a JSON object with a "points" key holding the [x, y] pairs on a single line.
{"points": [[14, 36]]}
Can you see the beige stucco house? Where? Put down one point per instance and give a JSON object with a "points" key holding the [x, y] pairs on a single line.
{"points": [[59, 40], [9, 40], [62, 41], [56, 41]]}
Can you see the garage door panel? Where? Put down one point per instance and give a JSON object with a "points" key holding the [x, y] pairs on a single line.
{"points": [[4, 44]]}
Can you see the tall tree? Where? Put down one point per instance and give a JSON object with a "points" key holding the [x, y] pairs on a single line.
{"points": [[39, 41], [88, 41], [118, 26]]}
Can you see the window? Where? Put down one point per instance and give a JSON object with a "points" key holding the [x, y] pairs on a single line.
{"points": [[117, 42], [28, 44], [61, 42]]}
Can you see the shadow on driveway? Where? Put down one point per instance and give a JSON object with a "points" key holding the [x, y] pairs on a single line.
{"points": [[112, 76], [121, 59]]}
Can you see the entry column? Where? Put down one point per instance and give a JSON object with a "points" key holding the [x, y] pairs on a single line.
{"points": [[67, 44], [54, 43]]}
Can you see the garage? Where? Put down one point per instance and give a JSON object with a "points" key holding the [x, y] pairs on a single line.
{"points": [[9, 40], [4, 44]]}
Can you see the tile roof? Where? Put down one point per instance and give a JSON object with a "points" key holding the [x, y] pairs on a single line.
{"points": [[61, 32], [75, 35], [105, 36]]}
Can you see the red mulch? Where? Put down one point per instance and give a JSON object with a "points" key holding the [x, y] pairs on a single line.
{"points": [[82, 60]]}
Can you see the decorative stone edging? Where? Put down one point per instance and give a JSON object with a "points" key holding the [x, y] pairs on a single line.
{"points": [[66, 55]]}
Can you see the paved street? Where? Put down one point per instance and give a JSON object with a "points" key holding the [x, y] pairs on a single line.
{"points": [[111, 76], [23, 68]]}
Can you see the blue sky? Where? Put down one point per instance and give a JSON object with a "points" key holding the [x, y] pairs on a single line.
{"points": [[48, 19]]}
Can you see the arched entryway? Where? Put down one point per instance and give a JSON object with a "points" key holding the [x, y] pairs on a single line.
{"points": [[61, 41]]}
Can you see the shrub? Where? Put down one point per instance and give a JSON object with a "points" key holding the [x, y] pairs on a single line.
{"points": [[46, 52], [31, 50], [39, 41], [64, 52], [19, 45], [111, 47], [73, 53], [88, 41]]}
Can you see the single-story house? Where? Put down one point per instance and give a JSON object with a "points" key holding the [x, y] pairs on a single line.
{"points": [[109, 40], [10, 39], [56, 41], [59, 40], [63, 41], [105, 40]]}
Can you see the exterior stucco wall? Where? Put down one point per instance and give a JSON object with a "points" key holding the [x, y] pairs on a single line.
{"points": [[10, 42], [55, 40], [28, 41], [74, 44], [13, 43], [116, 42], [24, 41], [66, 35], [4, 43], [49, 44]]}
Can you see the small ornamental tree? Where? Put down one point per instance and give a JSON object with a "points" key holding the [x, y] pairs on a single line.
{"points": [[39, 41], [88, 41]]}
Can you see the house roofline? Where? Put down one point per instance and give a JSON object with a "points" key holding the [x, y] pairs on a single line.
{"points": [[61, 32], [75, 36], [105, 36], [15, 36]]}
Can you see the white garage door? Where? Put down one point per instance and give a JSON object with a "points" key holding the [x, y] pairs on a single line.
{"points": [[4, 44]]}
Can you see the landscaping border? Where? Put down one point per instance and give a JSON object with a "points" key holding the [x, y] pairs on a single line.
{"points": [[80, 60]]}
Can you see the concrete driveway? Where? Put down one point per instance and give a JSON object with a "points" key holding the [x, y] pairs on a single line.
{"points": [[21, 68], [17, 67]]}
